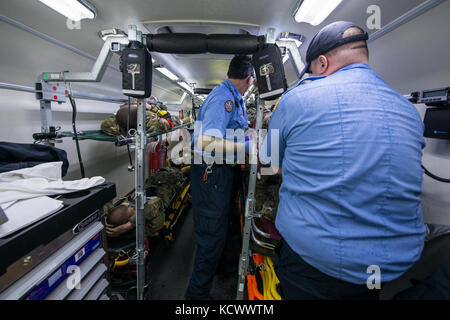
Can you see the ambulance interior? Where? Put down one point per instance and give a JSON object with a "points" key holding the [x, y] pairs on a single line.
{"points": [[408, 44]]}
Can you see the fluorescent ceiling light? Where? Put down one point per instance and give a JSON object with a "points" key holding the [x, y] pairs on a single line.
{"points": [[186, 86], [75, 10], [315, 12], [167, 73]]}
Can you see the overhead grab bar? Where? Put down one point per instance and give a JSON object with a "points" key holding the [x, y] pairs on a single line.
{"points": [[195, 43]]}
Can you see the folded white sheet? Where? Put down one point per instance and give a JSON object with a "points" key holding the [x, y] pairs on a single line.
{"points": [[41, 180]]}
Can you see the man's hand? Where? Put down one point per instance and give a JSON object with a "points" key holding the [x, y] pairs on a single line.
{"points": [[119, 230]]}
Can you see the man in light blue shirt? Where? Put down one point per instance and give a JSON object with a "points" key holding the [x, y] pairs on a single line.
{"points": [[226, 120], [217, 144], [350, 151]]}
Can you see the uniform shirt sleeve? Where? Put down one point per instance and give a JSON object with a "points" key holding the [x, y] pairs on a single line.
{"points": [[132, 220], [274, 145], [216, 117]]}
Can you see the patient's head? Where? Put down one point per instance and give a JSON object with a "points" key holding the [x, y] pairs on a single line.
{"points": [[122, 116], [119, 215]]}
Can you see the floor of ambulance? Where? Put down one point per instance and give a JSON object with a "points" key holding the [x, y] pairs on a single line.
{"points": [[171, 266]]}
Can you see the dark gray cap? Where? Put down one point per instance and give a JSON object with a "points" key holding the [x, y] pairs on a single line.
{"points": [[329, 38]]}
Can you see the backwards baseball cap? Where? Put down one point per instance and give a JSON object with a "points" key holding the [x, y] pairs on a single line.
{"points": [[329, 38]]}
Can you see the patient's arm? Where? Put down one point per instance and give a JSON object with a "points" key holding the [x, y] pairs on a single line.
{"points": [[119, 230]]}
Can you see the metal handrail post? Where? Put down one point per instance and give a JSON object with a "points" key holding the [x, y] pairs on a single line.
{"points": [[141, 145]]}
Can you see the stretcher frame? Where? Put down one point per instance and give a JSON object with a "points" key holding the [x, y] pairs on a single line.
{"points": [[116, 45]]}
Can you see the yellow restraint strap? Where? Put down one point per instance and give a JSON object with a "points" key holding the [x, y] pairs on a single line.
{"points": [[270, 281]]}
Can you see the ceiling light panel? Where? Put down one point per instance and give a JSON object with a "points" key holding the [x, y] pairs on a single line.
{"points": [[73, 9], [315, 12]]}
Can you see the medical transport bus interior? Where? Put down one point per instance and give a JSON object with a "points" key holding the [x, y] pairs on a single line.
{"points": [[103, 103]]}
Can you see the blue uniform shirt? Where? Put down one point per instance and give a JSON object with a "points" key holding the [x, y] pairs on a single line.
{"points": [[223, 109], [351, 152]]}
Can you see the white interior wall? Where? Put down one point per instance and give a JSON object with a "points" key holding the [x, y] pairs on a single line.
{"points": [[23, 59], [395, 58]]}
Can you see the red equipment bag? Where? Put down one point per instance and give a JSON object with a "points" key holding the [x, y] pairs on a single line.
{"points": [[157, 155]]}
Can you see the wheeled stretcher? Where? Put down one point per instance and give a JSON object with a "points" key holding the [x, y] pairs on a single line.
{"points": [[122, 263], [261, 280], [122, 251], [180, 203]]}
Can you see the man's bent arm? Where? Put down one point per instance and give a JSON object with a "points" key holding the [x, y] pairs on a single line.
{"points": [[221, 144]]}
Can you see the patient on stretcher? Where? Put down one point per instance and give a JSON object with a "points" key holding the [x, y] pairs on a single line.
{"points": [[264, 232], [120, 215], [161, 187], [267, 188], [122, 219], [157, 120]]}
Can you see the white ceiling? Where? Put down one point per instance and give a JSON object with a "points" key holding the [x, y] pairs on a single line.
{"points": [[261, 14]]}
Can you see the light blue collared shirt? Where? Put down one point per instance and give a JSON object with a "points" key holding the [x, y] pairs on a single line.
{"points": [[222, 110], [350, 150]]}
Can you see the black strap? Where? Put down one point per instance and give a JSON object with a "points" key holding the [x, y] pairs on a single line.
{"points": [[235, 99]]}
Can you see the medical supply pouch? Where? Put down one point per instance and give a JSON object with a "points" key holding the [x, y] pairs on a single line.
{"points": [[269, 70]]}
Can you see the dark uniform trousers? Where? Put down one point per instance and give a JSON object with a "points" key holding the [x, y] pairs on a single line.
{"points": [[301, 281], [212, 206]]}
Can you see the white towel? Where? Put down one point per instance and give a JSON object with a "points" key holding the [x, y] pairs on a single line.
{"points": [[41, 180]]}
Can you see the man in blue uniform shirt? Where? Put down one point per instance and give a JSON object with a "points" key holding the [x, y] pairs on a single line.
{"points": [[350, 151], [217, 141]]}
